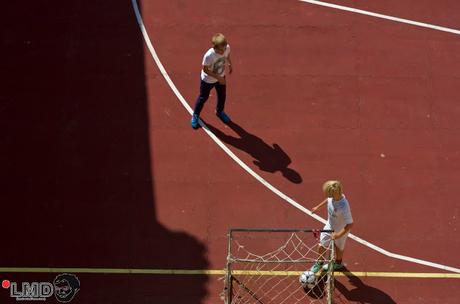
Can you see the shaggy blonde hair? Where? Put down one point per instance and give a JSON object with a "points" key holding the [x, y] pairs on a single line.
{"points": [[219, 40], [332, 187]]}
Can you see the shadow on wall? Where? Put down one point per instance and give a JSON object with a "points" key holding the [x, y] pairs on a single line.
{"points": [[267, 158], [77, 189]]}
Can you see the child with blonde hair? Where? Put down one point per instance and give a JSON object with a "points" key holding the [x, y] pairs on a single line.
{"points": [[339, 220], [213, 76]]}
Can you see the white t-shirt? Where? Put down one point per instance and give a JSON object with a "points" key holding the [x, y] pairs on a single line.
{"points": [[338, 214], [216, 64]]}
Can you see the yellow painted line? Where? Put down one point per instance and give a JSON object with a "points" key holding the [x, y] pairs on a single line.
{"points": [[418, 275], [114, 271]]}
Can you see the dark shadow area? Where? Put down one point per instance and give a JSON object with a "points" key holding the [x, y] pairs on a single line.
{"points": [[268, 158], [77, 189], [362, 293]]}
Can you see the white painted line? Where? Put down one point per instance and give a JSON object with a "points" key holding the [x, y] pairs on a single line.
{"points": [[363, 12], [254, 174]]}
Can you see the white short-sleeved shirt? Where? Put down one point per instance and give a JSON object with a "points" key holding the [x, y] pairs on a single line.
{"points": [[338, 214], [216, 63]]}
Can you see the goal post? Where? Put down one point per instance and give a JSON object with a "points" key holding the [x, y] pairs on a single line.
{"points": [[264, 265]]}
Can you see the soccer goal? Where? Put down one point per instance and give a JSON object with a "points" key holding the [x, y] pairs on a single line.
{"points": [[264, 266]]}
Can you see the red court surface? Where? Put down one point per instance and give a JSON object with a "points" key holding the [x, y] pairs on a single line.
{"points": [[103, 170]]}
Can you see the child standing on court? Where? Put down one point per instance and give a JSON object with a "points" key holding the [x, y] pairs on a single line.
{"points": [[339, 219], [213, 76]]}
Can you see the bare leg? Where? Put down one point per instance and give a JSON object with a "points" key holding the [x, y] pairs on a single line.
{"points": [[338, 254], [321, 251], [317, 266]]}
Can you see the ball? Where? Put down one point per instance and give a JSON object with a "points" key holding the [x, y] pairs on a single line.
{"points": [[307, 279]]}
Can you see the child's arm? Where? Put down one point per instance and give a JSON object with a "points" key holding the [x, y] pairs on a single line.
{"points": [[229, 60], [339, 234], [212, 74], [319, 206]]}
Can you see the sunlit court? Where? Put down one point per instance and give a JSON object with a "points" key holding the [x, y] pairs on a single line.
{"points": [[276, 151]]}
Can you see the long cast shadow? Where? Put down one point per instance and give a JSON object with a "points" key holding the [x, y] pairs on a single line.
{"points": [[77, 187], [362, 293], [267, 158]]}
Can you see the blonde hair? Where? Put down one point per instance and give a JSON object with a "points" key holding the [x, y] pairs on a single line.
{"points": [[219, 40], [332, 187]]}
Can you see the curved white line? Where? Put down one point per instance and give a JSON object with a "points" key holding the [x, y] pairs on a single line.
{"points": [[376, 15], [254, 174]]}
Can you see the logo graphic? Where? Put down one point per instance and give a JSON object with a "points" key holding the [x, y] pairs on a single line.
{"points": [[219, 66], [64, 287]]}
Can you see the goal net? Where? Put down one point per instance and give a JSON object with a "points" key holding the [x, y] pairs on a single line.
{"points": [[264, 266]]}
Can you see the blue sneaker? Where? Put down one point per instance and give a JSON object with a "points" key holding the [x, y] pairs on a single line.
{"points": [[194, 121], [224, 117]]}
